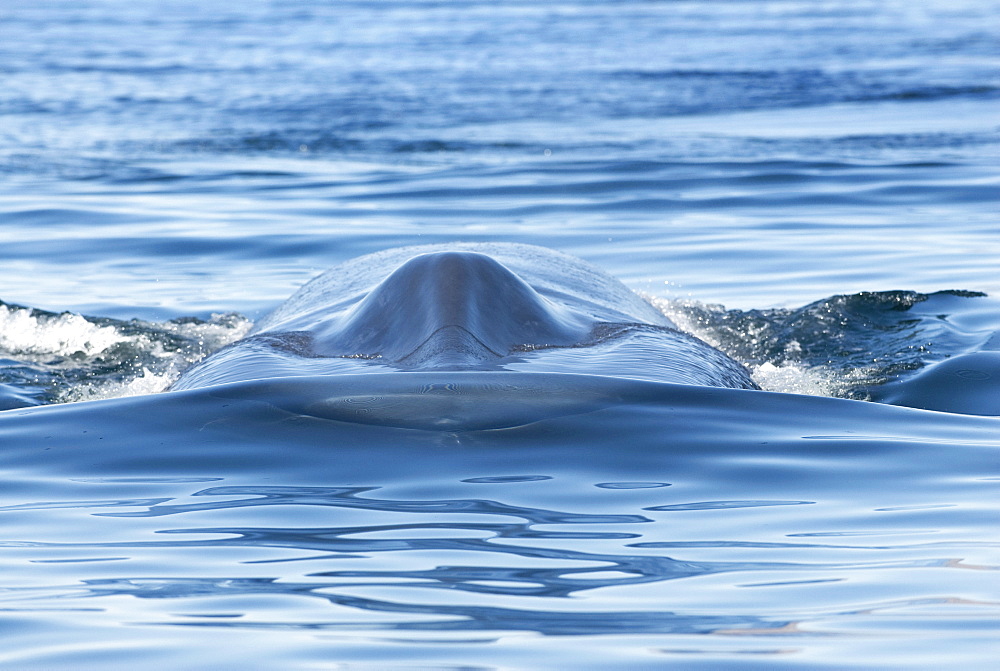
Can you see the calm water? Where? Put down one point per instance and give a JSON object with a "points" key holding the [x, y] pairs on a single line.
{"points": [[810, 186]]}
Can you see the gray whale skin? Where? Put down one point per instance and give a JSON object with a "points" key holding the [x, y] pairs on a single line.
{"points": [[459, 338], [483, 307]]}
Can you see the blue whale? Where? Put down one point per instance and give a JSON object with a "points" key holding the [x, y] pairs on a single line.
{"points": [[472, 307]]}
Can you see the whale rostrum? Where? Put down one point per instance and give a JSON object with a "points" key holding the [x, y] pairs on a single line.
{"points": [[468, 307]]}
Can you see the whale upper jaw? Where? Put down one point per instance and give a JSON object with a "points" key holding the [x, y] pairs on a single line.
{"points": [[447, 309]]}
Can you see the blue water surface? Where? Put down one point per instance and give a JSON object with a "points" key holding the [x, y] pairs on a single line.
{"points": [[812, 187]]}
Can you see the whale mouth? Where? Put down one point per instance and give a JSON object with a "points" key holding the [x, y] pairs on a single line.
{"points": [[452, 347]]}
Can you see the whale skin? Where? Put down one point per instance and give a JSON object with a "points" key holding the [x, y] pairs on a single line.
{"points": [[482, 307]]}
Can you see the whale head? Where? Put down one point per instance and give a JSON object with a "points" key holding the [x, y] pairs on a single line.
{"points": [[471, 308]]}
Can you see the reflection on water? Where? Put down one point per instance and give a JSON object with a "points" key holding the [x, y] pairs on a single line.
{"points": [[612, 560]]}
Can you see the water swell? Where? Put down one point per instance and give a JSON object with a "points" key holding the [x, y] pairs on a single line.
{"points": [[694, 91], [226, 510], [534, 556], [842, 346]]}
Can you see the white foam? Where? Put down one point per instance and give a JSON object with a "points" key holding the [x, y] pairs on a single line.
{"points": [[147, 382], [787, 377], [22, 331], [211, 335], [80, 360], [792, 378]]}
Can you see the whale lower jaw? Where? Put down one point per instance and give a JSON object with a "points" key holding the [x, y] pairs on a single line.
{"points": [[453, 402], [442, 402]]}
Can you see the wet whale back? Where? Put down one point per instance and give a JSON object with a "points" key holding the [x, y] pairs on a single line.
{"points": [[468, 307]]}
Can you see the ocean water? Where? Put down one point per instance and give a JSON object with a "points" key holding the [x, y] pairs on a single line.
{"points": [[811, 187]]}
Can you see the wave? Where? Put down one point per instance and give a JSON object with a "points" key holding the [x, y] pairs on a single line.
{"points": [[843, 346], [50, 357], [712, 91]]}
